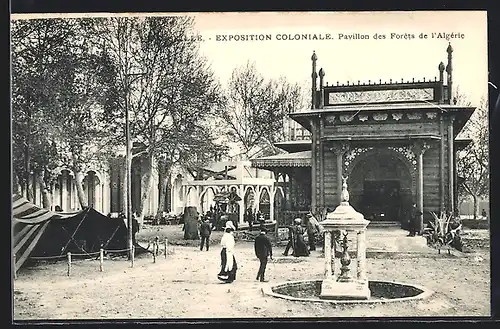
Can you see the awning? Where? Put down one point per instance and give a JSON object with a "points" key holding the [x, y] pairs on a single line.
{"points": [[297, 159]]}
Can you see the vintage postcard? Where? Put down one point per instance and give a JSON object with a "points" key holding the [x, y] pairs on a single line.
{"points": [[250, 165]]}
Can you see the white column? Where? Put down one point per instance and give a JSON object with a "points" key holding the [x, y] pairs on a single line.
{"points": [[64, 191], [361, 255], [257, 198], [106, 194], [271, 202], [241, 204], [329, 269], [198, 198]]}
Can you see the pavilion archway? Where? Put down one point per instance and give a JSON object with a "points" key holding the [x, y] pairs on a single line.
{"points": [[265, 202], [207, 198], [381, 184]]}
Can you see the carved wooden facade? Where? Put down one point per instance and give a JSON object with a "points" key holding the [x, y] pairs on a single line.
{"points": [[399, 132]]}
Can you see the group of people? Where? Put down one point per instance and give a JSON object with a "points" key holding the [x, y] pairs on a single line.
{"points": [[296, 233], [262, 245], [229, 267], [252, 217]]}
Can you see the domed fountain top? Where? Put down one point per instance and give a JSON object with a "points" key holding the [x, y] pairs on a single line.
{"points": [[344, 216]]}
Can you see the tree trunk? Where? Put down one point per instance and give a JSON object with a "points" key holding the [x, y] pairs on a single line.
{"points": [[163, 180], [79, 188], [46, 193], [30, 195], [16, 187], [146, 182], [476, 206], [190, 219]]}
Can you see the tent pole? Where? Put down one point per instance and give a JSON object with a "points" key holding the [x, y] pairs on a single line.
{"points": [[128, 171]]}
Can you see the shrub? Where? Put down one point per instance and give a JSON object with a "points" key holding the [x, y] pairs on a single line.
{"points": [[444, 230]]}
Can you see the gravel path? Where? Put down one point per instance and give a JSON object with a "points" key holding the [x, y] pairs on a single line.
{"points": [[185, 286]]}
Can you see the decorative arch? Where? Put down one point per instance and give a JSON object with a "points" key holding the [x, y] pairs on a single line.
{"points": [[264, 202], [404, 154], [280, 190], [381, 169], [205, 204], [249, 196]]}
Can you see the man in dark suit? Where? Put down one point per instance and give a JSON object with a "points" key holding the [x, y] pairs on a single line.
{"points": [[205, 230], [414, 220], [291, 239], [263, 250]]}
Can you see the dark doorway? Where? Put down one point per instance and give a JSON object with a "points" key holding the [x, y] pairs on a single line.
{"points": [[381, 200]]}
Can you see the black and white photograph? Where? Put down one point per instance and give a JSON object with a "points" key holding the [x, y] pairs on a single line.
{"points": [[250, 165]]}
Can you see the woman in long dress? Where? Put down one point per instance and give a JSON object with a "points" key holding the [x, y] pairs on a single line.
{"points": [[300, 248], [228, 265]]}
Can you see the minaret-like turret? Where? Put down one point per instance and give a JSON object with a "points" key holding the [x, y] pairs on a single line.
{"points": [[321, 81], [449, 70], [314, 77], [441, 81]]}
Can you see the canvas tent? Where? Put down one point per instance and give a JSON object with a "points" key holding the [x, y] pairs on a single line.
{"points": [[38, 232]]}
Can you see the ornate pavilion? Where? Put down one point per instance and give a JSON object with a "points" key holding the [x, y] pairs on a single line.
{"points": [[395, 142]]}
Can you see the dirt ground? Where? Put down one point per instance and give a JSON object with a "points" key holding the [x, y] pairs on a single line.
{"points": [[184, 285]]}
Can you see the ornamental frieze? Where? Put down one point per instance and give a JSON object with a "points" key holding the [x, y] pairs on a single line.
{"points": [[330, 119], [346, 117], [431, 115], [380, 116], [352, 154], [397, 116], [407, 152], [363, 117], [414, 116]]}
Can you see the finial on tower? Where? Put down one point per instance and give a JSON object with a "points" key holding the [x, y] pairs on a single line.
{"points": [[449, 50], [345, 194], [314, 57]]}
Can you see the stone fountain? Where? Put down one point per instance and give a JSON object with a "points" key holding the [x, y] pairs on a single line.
{"points": [[346, 220], [340, 286]]}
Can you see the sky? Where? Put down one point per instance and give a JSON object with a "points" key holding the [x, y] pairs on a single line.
{"points": [[343, 59], [396, 57]]}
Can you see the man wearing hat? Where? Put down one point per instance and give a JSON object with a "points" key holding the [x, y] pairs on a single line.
{"points": [[291, 238], [311, 232], [263, 249]]}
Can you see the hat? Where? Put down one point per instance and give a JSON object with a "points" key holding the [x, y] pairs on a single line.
{"points": [[309, 215], [229, 224], [297, 220]]}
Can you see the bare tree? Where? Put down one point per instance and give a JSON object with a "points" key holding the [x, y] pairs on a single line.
{"points": [[256, 109], [165, 84], [473, 161]]}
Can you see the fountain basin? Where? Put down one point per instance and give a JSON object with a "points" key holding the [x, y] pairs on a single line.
{"points": [[381, 292]]}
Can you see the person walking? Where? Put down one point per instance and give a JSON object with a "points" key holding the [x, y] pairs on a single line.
{"points": [[291, 239], [205, 231], [311, 232], [228, 265], [249, 218], [300, 247], [263, 250]]}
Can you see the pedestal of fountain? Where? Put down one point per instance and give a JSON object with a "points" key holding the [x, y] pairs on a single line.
{"points": [[342, 285]]}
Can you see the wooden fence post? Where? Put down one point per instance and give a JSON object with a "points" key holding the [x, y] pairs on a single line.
{"points": [[155, 250], [132, 254], [14, 267], [69, 263], [101, 259], [166, 247]]}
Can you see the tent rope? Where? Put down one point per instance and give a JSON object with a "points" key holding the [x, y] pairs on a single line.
{"points": [[73, 235], [72, 254], [112, 235]]}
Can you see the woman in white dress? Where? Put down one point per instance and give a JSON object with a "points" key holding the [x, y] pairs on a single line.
{"points": [[228, 261]]}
